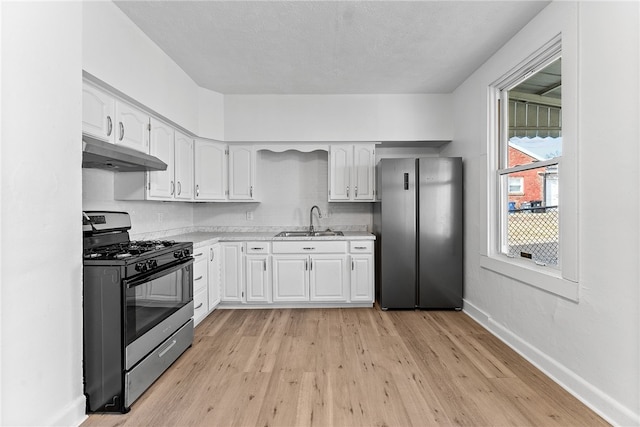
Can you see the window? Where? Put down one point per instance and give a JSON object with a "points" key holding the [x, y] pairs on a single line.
{"points": [[516, 187], [529, 152]]}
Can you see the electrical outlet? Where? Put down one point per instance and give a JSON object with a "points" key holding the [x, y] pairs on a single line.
{"points": [[249, 215]]}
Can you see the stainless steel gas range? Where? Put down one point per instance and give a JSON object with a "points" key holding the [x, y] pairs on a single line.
{"points": [[138, 309]]}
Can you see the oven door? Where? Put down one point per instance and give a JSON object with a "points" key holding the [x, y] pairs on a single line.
{"points": [[157, 305]]}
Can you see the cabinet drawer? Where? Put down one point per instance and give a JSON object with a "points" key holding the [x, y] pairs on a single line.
{"points": [[309, 246], [361, 247], [200, 306], [200, 275], [257, 247]]}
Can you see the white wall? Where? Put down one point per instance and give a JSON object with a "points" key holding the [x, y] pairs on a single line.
{"points": [[41, 353], [146, 216], [117, 52], [290, 183], [592, 346], [338, 117], [210, 114]]}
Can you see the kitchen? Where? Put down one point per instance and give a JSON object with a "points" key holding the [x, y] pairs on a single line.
{"points": [[592, 347]]}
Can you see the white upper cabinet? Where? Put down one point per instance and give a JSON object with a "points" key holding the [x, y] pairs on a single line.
{"points": [[161, 183], [340, 160], [175, 183], [98, 113], [112, 120], [132, 127], [210, 167], [183, 168], [363, 172], [242, 166], [351, 172]]}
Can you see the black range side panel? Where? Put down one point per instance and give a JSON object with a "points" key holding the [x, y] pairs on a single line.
{"points": [[103, 359]]}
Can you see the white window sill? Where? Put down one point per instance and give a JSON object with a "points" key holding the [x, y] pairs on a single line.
{"points": [[550, 281]]}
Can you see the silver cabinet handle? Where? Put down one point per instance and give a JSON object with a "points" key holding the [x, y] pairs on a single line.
{"points": [[257, 249], [200, 254], [211, 253], [352, 265], [251, 191], [197, 190], [347, 191], [356, 191], [311, 264], [109, 126], [179, 188], [360, 247], [306, 265], [199, 305], [265, 265], [163, 352], [198, 278], [121, 132], [173, 188], [308, 249]]}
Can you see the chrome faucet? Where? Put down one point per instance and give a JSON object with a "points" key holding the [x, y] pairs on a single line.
{"points": [[311, 217]]}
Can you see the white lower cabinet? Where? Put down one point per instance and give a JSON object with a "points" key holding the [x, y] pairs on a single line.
{"points": [[200, 285], [362, 278], [329, 278], [258, 272], [215, 275], [206, 281], [310, 271], [362, 271], [296, 272], [290, 278], [232, 272]]}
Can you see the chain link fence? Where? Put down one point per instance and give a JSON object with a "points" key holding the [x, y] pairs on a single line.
{"points": [[532, 232]]}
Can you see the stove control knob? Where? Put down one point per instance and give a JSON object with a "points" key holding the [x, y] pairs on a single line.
{"points": [[141, 267], [186, 252], [176, 254], [152, 263]]}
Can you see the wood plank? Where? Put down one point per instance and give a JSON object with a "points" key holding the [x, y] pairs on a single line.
{"points": [[355, 367]]}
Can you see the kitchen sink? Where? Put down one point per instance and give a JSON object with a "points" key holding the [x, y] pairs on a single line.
{"points": [[309, 233]]}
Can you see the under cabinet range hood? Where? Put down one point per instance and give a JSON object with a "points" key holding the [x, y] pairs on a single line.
{"points": [[104, 155]]}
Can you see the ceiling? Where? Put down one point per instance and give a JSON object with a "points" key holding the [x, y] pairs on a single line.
{"points": [[330, 47]]}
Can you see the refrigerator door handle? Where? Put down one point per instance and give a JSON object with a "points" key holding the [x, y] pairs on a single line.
{"points": [[406, 181]]}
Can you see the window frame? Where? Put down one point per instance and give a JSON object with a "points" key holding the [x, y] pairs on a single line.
{"points": [[561, 281]]}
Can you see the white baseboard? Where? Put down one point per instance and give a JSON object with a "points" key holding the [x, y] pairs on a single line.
{"points": [[73, 414], [601, 403]]}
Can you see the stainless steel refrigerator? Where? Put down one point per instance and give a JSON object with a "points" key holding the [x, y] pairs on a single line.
{"points": [[418, 224]]}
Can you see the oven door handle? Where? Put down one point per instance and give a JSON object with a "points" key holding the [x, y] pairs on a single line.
{"points": [[137, 281]]}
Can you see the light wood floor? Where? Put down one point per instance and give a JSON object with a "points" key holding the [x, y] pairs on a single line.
{"points": [[350, 367]]}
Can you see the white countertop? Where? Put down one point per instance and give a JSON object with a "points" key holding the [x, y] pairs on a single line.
{"points": [[202, 238]]}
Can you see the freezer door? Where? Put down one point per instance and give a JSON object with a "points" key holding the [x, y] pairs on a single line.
{"points": [[398, 234], [440, 232]]}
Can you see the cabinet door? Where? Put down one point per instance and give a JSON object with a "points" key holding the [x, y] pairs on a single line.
{"points": [[161, 184], [232, 272], [132, 127], [340, 159], [210, 166], [328, 277], [200, 285], [215, 275], [290, 278], [363, 171], [241, 172], [183, 167], [98, 113], [257, 278], [362, 281]]}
